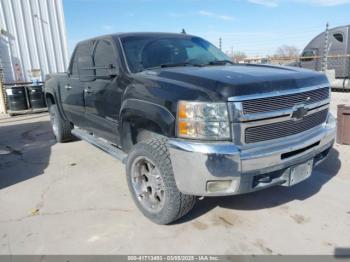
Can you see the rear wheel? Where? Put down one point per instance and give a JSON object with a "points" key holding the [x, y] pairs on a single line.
{"points": [[152, 184], [60, 127]]}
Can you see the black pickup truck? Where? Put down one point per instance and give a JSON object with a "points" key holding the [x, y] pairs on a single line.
{"points": [[188, 122]]}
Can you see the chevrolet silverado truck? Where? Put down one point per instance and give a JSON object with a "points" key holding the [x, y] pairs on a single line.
{"points": [[189, 123]]}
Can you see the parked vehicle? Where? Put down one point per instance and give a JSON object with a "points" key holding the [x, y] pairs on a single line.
{"points": [[337, 52], [188, 122]]}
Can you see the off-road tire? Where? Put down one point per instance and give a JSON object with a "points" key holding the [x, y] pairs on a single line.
{"points": [[144, 135], [61, 128], [176, 203]]}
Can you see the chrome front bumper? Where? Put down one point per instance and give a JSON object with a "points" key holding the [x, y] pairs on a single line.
{"points": [[198, 166]]}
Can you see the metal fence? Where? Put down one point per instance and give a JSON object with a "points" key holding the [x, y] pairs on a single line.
{"points": [[3, 97], [339, 63]]}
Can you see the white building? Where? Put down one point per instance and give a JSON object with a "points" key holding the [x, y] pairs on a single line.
{"points": [[33, 39]]}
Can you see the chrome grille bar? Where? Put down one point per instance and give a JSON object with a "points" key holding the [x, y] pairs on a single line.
{"points": [[270, 104], [285, 128]]}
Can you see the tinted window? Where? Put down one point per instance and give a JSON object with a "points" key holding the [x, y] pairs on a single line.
{"points": [[74, 66], [144, 52], [339, 37], [83, 55], [104, 57], [308, 55]]}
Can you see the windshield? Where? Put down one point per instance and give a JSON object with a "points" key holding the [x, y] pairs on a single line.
{"points": [[146, 52]]}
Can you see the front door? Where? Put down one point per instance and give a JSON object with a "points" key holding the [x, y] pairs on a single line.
{"points": [[103, 96]]}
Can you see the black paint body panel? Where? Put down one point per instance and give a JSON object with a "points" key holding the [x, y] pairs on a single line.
{"points": [[153, 94]]}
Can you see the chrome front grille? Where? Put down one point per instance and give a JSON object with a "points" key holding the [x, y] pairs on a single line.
{"points": [[285, 128], [283, 102]]}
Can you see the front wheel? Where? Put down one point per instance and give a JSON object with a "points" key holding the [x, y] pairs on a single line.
{"points": [[152, 184]]}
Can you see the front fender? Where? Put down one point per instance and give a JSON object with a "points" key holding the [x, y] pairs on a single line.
{"points": [[150, 111]]}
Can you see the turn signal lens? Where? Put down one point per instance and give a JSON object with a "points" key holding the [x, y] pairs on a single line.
{"points": [[331, 121], [182, 110]]}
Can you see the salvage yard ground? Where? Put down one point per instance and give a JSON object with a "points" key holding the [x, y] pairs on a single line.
{"points": [[73, 199]]}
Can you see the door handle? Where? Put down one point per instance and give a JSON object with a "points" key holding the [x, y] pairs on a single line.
{"points": [[88, 90], [68, 87]]}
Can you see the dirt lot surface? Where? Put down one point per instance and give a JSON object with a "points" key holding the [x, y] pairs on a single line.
{"points": [[73, 199]]}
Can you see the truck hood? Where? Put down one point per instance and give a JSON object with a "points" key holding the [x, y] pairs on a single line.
{"points": [[238, 80]]}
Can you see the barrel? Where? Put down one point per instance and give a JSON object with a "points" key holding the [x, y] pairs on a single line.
{"points": [[36, 96], [16, 98], [343, 125]]}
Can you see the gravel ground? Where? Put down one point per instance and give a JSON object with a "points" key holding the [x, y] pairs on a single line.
{"points": [[72, 199]]}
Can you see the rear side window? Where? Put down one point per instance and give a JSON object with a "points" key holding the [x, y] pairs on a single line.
{"points": [[104, 57], [74, 68], [74, 64]]}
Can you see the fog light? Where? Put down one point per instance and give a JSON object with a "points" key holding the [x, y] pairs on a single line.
{"points": [[222, 186]]}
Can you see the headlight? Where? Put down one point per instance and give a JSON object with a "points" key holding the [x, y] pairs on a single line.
{"points": [[200, 120]]}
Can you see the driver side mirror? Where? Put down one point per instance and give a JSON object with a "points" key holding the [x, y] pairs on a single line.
{"points": [[113, 71], [107, 72]]}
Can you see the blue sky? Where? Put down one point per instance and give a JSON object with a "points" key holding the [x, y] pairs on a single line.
{"points": [[256, 27]]}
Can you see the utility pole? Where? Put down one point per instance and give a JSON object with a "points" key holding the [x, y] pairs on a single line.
{"points": [[325, 50], [220, 43]]}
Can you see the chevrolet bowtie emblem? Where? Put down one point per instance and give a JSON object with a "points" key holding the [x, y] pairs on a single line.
{"points": [[299, 113]]}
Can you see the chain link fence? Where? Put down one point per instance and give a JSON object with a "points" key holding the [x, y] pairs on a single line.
{"points": [[336, 67], [3, 97]]}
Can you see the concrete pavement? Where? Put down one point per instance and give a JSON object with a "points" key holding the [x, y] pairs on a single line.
{"points": [[73, 199]]}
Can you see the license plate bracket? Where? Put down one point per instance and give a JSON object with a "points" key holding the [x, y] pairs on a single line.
{"points": [[300, 172]]}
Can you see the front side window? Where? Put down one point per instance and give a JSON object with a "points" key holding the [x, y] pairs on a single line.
{"points": [[104, 57], [83, 56], [144, 52]]}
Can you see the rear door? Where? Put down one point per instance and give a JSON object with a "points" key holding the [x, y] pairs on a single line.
{"points": [[103, 96], [72, 91]]}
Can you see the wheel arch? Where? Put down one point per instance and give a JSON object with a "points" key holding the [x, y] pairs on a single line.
{"points": [[50, 99], [136, 115]]}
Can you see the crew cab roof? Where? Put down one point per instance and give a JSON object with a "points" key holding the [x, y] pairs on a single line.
{"points": [[180, 35], [130, 34]]}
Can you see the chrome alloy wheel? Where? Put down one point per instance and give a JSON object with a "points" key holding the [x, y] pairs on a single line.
{"points": [[148, 184]]}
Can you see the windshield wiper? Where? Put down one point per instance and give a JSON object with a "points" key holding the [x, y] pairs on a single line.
{"points": [[220, 62], [172, 65]]}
